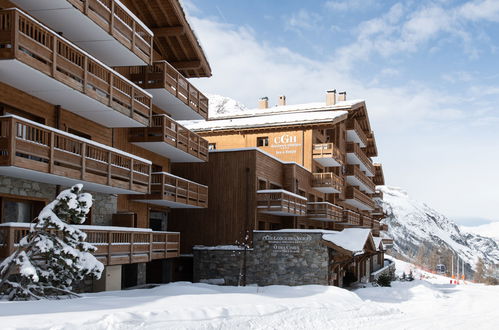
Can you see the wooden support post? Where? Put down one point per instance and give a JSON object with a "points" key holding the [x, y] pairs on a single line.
{"points": [[51, 152], [12, 141], [85, 74], [151, 241], [134, 31], [15, 32], [111, 22], [83, 160], [166, 245], [109, 246], [132, 241], [111, 88], [109, 167], [85, 7], [55, 41], [131, 174]]}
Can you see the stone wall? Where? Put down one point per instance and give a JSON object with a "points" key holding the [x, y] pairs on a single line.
{"points": [[277, 258], [104, 204]]}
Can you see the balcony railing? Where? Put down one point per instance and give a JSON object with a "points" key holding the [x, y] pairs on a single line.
{"points": [[366, 221], [355, 197], [356, 177], [378, 210], [355, 133], [167, 137], [172, 91], [327, 154], [62, 158], [356, 156], [105, 27], [175, 192], [324, 211], [383, 227], [375, 227], [115, 245], [379, 178], [377, 195], [64, 74], [327, 182], [281, 202], [351, 218]]}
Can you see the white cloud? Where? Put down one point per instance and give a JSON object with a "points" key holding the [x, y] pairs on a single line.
{"points": [[348, 5], [302, 20]]}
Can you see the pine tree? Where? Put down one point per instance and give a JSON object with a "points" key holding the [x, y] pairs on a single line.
{"points": [[54, 254], [479, 271]]}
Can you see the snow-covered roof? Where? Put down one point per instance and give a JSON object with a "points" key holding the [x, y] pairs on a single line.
{"points": [[255, 121], [377, 242], [350, 239], [270, 191]]}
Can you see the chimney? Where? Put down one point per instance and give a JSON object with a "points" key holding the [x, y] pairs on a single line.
{"points": [[263, 103], [331, 97], [342, 96], [282, 100]]}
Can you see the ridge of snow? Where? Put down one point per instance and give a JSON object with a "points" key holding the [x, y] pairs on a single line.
{"points": [[351, 239]]}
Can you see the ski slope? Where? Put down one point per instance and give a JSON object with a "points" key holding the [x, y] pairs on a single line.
{"points": [[421, 304]]}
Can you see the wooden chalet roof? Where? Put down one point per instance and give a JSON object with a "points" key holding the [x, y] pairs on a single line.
{"points": [[174, 40]]}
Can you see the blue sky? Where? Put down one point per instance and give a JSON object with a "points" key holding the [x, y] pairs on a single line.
{"points": [[428, 70]]}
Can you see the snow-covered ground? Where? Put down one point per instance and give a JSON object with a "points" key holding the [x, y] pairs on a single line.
{"points": [[421, 304]]}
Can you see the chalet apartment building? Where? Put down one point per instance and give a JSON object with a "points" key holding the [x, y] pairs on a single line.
{"points": [[303, 166], [91, 91]]}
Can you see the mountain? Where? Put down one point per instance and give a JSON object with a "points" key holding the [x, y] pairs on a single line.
{"points": [[220, 106], [488, 230], [416, 227]]}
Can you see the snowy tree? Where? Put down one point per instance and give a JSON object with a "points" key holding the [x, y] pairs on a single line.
{"points": [[479, 271], [54, 254]]}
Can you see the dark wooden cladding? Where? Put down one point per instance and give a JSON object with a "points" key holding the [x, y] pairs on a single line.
{"points": [[168, 187], [383, 227], [281, 202], [114, 18], [47, 150], [351, 218], [324, 211], [163, 75], [328, 150], [354, 170], [327, 180], [24, 39], [165, 129], [379, 178], [354, 193], [114, 247], [353, 125], [357, 150]]}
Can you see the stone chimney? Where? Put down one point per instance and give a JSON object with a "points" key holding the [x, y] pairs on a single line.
{"points": [[282, 100], [263, 103], [331, 97], [342, 96]]}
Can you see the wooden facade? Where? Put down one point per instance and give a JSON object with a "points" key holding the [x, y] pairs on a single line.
{"points": [[67, 116]]}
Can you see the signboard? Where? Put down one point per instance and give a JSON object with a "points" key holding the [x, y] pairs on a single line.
{"points": [[285, 144], [287, 244]]}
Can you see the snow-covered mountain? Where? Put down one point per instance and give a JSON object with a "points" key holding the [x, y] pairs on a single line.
{"points": [[220, 106], [413, 224]]}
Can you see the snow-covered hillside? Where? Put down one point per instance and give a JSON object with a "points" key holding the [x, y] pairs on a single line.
{"points": [[413, 224], [487, 230], [220, 106]]}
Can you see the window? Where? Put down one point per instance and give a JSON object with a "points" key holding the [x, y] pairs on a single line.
{"points": [[262, 141], [212, 146], [19, 210], [261, 225], [262, 184], [78, 133]]}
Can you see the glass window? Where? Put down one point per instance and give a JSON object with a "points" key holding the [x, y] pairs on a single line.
{"points": [[18, 210], [262, 141], [212, 146]]}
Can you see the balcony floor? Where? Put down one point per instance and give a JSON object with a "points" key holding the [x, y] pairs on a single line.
{"points": [[354, 160], [354, 181], [170, 204], [327, 162], [61, 16], [175, 107], [22, 173], [36, 83], [174, 154], [327, 190], [352, 136]]}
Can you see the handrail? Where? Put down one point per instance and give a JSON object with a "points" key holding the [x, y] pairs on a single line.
{"points": [[162, 74], [44, 149], [165, 129], [356, 149], [354, 125], [350, 217], [325, 210], [176, 189], [114, 246], [354, 193], [113, 17], [280, 200], [26, 40], [353, 170], [326, 150], [327, 179], [366, 221]]}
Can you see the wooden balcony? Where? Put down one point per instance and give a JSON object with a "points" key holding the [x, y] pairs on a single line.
{"points": [[168, 138], [172, 92], [387, 243], [379, 178], [356, 156], [104, 28], [377, 195], [324, 211], [355, 177], [350, 218], [383, 227], [42, 63], [37, 152], [115, 245], [175, 192], [327, 154], [358, 199], [371, 149], [328, 183], [281, 202], [355, 133], [366, 221], [375, 228], [378, 210]]}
